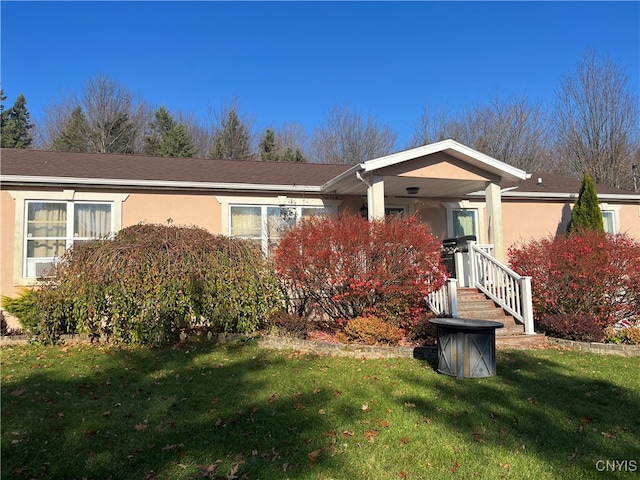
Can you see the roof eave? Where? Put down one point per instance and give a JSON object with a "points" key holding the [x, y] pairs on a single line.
{"points": [[111, 182]]}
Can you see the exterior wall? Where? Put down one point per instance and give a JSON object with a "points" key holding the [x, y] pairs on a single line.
{"points": [[7, 233], [199, 210], [630, 220], [434, 214], [524, 221]]}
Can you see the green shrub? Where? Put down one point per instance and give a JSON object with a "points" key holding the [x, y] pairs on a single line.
{"points": [[581, 328], [370, 331], [151, 281], [25, 308]]}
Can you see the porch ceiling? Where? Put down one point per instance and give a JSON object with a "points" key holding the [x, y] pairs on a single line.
{"points": [[428, 187]]}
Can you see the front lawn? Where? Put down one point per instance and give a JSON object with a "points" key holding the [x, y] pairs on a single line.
{"points": [[238, 411]]}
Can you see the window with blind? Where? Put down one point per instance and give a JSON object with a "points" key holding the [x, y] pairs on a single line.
{"points": [[52, 227]]}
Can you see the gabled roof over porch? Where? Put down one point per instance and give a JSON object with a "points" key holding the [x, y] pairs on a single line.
{"points": [[442, 169]]}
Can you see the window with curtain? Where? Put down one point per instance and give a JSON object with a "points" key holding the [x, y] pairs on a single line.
{"points": [[52, 227], [266, 223], [464, 222]]}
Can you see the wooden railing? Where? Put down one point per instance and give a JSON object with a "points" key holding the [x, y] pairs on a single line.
{"points": [[444, 302], [510, 291]]}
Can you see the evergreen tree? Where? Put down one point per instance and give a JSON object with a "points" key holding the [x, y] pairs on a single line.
{"points": [[268, 149], [75, 134], [15, 125], [586, 213], [232, 139], [272, 151], [168, 138], [293, 156]]}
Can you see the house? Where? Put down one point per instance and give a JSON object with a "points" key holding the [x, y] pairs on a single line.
{"points": [[51, 199]]}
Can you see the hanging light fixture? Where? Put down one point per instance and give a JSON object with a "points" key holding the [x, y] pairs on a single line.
{"points": [[413, 190]]}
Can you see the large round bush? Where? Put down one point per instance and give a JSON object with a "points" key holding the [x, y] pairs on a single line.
{"points": [[151, 281], [587, 274], [348, 267]]}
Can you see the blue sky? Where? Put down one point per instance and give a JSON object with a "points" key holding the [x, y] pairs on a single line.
{"points": [[293, 61]]}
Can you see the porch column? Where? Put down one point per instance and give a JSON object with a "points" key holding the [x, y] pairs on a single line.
{"points": [[375, 198], [494, 220]]}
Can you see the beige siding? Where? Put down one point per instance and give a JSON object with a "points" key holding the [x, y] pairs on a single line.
{"points": [[7, 233], [200, 210]]}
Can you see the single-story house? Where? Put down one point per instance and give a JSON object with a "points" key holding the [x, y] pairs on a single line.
{"points": [[50, 199]]}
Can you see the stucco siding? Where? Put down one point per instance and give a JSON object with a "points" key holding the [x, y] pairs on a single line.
{"points": [[7, 234], [524, 221], [200, 210]]}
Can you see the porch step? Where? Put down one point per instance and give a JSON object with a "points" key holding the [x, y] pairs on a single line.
{"points": [[474, 304]]}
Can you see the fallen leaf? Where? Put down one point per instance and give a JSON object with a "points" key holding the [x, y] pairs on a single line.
{"points": [[371, 435], [586, 419], [140, 426], [313, 456], [409, 405], [402, 474], [272, 398], [18, 392], [347, 433], [404, 440], [427, 420], [385, 423], [322, 411], [607, 435], [454, 466], [299, 406], [365, 408]]}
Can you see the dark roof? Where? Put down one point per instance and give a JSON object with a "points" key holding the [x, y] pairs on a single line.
{"points": [[41, 163], [554, 183]]}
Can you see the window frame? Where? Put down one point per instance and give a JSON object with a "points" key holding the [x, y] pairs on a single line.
{"points": [[465, 205], [21, 198], [30, 264], [281, 201]]}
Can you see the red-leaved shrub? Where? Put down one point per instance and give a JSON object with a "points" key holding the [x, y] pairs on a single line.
{"points": [[589, 273], [581, 328], [348, 267]]}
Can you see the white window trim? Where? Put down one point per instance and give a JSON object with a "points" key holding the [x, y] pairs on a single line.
{"points": [[227, 202], [615, 209], [479, 207], [282, 201], [21, 198]]}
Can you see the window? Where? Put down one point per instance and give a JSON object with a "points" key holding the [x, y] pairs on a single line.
{"points": [[608, 219], [465, 222], [52, 227], [266, 223]]}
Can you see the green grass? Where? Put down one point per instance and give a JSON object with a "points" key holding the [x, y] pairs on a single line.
{"points": [[199, 411]]}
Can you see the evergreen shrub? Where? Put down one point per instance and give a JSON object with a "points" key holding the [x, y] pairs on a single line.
{"points": [[151, 281]]}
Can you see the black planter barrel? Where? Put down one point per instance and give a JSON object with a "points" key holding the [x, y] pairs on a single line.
{"points": [[466, 348]]}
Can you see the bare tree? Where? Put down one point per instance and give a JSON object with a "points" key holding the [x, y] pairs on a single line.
{"points": [[432, 127], [348, 138], [513, 131], [597, 121], [115, 118]]}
